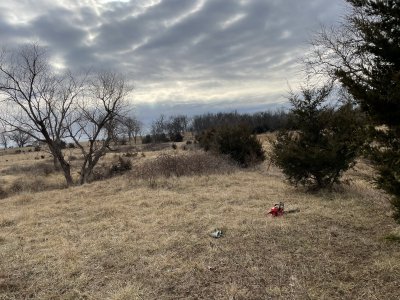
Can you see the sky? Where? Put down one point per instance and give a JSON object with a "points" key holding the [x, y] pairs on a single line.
{"points": [[182, 56]]}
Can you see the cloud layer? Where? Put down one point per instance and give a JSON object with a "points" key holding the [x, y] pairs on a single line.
{"points": [[230, 54]]}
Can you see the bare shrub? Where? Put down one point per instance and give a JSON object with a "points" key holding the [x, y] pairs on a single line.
{"points": [[119, 166], [131, 154], [188, 164]]}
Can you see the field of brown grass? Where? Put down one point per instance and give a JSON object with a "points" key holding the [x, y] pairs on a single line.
{"points": [[123, 238]]}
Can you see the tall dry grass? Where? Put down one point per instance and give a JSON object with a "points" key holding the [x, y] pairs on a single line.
{"points": [[123, 239]]}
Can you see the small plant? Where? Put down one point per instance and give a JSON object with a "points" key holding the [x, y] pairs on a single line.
{"points": [[174, 146]]}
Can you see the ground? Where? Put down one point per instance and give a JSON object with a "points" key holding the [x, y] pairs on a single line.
{"points": [[123, 238]]}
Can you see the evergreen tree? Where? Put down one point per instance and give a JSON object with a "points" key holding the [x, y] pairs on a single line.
{"points": [[323, 142], [364, 54]]}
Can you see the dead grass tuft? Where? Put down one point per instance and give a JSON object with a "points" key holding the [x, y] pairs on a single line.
{"points": [[34, 185]]}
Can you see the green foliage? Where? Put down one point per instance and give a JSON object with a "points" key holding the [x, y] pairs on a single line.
{"points": [[236, 141], [325, 142], [374, 81]]}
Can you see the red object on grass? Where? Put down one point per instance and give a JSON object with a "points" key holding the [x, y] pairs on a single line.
{"points": [[277, 210]]}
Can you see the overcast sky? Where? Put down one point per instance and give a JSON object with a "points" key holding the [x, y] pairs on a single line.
{"points": [[183, 56]]}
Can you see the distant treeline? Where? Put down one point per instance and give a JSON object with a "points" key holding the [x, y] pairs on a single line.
{"points": [[258, 122]]}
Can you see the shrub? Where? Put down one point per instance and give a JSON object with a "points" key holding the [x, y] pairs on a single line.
{"points": [[71, 146], [37, 148], [174, 146], [146, 139], [121, 166], [131, 154], [326, 141], [176, 137], [236, 141], [174, 165]]}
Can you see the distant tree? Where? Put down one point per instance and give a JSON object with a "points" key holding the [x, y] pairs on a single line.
{"points": [[326, 142], [21, 138], [4, 138], [159, 130], [364, 55], [176, 127], [131, 127], [258, 122]]}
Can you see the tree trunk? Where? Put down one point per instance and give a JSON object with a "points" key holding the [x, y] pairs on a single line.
{"points": [[67, 173], [56, 163], [88, 166]]}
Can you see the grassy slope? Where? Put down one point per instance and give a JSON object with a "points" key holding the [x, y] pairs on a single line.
{"points": [[121, 239]]}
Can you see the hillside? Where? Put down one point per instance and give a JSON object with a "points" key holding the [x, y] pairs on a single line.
{"points": [[122, 238]]}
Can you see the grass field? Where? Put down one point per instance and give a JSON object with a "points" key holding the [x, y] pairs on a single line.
{"points": [[124, 238]]}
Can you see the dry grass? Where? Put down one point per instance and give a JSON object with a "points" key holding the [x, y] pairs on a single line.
{"points": [[176, 164], [121, 239]]}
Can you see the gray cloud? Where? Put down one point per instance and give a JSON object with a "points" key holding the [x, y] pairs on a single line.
{"points": [[200, 52]]}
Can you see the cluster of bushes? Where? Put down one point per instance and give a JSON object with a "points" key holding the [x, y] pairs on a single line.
{"points": [[236, 141]]}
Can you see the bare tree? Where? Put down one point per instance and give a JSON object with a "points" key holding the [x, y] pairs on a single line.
{"points": [[37, 101], [21, 138], [4, 138], [158, 130], [176, 127], [132, 127], [93, 120]]}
